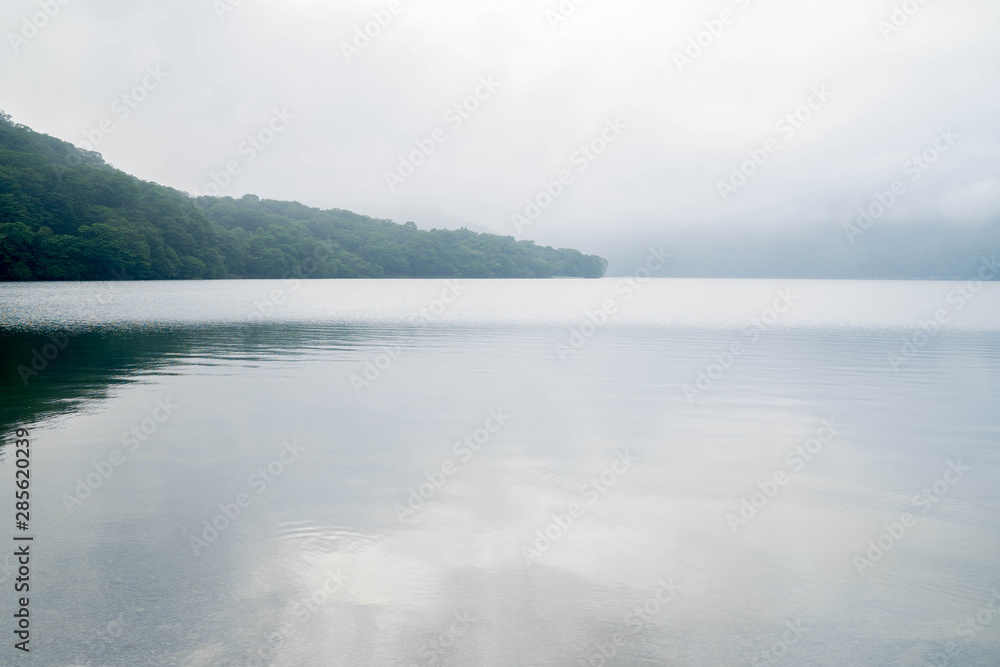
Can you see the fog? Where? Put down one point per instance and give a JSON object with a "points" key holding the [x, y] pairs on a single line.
{"points": [[745, 136]]}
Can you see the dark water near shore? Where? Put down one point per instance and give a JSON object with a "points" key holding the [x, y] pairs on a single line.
{"points": [[506, 473]]}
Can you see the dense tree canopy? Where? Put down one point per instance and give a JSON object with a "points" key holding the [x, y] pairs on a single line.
{"points": [[67, 215]]}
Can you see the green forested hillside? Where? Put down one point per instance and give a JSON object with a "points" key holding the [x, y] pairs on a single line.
{"points": [[67, 215]]}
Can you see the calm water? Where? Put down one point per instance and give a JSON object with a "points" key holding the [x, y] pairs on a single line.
{"points": [[423, 473]]}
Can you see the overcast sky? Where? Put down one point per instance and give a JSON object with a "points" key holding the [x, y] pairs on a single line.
{"points": [[884, 85]]}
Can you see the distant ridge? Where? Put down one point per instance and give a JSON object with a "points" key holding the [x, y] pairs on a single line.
{"points": [[65, 214]]}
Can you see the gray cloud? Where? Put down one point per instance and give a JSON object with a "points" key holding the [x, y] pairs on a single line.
{"points": [[687, 130]]}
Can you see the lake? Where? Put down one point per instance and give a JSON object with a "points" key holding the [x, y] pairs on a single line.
{"points": [[564, 472]]}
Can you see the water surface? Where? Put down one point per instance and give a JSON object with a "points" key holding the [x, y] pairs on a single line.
{"points": [[326, 408]]}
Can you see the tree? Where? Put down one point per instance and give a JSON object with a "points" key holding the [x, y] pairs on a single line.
{"points": [[68, 215]]}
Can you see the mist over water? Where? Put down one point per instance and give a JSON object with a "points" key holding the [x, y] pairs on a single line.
{"points": [[708, 473]]}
